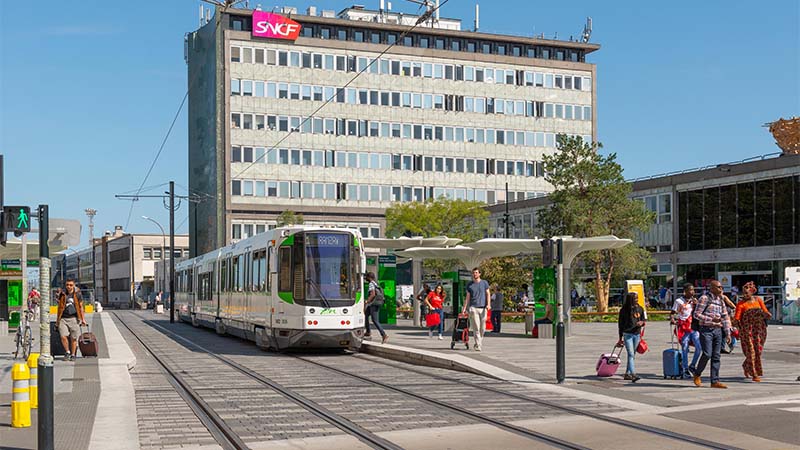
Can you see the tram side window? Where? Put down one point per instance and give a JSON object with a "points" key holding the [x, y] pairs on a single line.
{"points": [[190, 281], [285, 272], [259, 272], [223, 275], [237, 274]]}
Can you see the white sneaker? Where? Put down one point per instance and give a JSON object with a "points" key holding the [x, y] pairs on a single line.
{"points": [[430, 333], [440, 337]]}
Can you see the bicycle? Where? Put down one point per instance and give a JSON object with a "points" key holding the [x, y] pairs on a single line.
{"points": [[24, 337]]}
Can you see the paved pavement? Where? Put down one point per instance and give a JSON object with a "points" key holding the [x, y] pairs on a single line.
{"points": [[87, 410], [513, 356]]}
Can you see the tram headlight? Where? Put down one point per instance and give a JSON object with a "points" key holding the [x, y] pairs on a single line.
{"points": [[344, 311], [311, 311]]}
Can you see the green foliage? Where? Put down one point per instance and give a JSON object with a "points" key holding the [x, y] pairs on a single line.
{"points": [[509, 273], [289, 217], [462, 219], [591, 198]]}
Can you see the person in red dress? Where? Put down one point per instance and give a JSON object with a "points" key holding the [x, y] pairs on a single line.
{"points": [[435, 302], [751, 315]]}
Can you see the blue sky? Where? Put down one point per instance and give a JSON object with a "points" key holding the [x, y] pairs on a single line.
{"points": [[88, 89]]}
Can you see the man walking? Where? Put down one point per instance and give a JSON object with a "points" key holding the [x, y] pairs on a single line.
{"points": [[497, 308], [713, 316], [70, 318], [477, 296]]}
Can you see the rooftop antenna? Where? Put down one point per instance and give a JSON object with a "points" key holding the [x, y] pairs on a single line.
{"points": [[430, 10], [477, 16], [202, 12], [90, 213], [587, 31]]}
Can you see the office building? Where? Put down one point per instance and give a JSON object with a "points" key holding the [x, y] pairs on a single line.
{"points": [[279, 123]]}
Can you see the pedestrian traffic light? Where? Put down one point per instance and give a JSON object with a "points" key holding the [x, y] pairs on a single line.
{"points": [[547, 253], [17, 219]]}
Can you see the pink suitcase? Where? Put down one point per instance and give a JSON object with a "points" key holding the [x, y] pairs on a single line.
{"points": [[608, 363]]}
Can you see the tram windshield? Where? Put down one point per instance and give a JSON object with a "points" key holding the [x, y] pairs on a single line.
{"points": [[329, 269]]}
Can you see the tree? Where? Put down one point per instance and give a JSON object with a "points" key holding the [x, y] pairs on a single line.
{"points": [[509, 273], [461, 219], [591, 198], [289, 217]]}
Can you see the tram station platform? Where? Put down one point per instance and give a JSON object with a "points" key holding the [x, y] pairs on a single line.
{"points": [[94, 406], [117, 400], [516, 357]]}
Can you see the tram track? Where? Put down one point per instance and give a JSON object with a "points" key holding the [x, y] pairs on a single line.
{"points": [[375, 441], [366, 436], [568, 409], [216, 426], [225, 435]]}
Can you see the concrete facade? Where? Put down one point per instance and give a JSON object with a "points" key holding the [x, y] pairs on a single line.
{"points": [[119, 268], [365, 150]]}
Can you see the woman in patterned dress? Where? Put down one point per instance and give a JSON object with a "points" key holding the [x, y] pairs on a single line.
{"points": [[751, 314]]}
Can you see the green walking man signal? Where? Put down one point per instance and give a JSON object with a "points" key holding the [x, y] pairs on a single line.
{"points": [[17, 219]]}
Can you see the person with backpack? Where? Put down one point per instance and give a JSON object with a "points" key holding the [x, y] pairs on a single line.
{"points": [[373, 305], [70, 318]]}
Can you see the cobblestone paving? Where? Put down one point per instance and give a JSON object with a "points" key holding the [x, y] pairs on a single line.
{"points": [[164, 419], [255, 412], [375, 408]]}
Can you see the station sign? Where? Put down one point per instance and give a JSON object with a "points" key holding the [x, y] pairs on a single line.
{"points": [[274, 26]]}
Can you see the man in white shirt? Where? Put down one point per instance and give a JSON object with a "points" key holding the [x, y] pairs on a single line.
{"points": [[683, 308]]}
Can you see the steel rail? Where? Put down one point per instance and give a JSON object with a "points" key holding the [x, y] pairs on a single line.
{"points": [[530, 434], [346, 425], [222, 433], [615, 420]]}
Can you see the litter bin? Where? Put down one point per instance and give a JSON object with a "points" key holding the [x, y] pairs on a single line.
{"points": [[13, 319], [528, 322]]}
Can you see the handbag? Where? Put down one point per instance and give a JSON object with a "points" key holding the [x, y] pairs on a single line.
{"points": [[432, 319], [642, 347]]}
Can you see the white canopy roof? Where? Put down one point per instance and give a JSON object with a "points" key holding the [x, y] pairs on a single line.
{"points": [[471, 255], [409, 242]]}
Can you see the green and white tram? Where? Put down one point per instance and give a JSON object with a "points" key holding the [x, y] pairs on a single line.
{"points": [[292, 287]]}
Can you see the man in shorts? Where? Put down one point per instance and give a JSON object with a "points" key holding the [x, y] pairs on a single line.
{"points": [[70, 319]]}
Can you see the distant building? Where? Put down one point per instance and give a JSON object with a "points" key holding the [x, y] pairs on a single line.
{"points": [[120, 267], [735, 222], [444, 112]]}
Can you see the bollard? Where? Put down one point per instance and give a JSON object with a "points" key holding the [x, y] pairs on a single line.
{"points": [[33, 366], [20, 397]]}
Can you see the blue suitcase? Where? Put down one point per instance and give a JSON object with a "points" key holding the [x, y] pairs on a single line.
{"points": [[671, 360]]}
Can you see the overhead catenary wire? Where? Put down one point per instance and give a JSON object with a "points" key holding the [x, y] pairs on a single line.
{"points": [[225, 6], [427, 15]]}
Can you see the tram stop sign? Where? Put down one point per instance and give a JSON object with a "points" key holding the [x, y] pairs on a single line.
{"points": [[17, 219]]}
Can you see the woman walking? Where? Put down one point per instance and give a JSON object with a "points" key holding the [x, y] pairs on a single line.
{"points": [[751, 316], [434, 301], [630, 323]]}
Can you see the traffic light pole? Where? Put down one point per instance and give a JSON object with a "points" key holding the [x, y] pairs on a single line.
{"points": [[561, 341], [46, 397], [171, 252]]}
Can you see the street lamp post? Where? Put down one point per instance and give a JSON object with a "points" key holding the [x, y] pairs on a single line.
{"points": [[163, 237]]}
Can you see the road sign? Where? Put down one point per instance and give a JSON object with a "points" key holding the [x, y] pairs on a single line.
{"points": [[17, 219]]}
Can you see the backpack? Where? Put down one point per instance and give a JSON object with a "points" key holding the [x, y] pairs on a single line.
{"points": [[379, 297]]}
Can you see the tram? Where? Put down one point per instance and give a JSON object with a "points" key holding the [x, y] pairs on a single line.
{"points": [[290, 287]]}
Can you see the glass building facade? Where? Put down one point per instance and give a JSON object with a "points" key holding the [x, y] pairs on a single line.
{"points": [[750, 214]]}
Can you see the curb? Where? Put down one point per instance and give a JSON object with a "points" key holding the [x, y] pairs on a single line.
{"points": [[428, 358]]}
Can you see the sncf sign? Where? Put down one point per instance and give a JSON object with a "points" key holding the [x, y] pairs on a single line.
{"points": [[274, 26]]}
